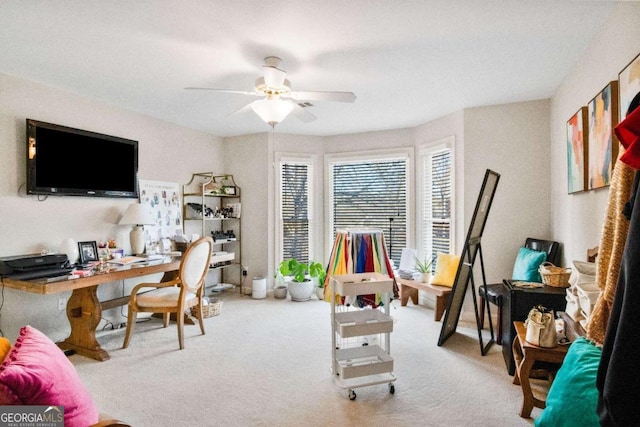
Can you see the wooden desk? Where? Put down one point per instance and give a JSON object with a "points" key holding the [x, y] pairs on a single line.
{"points": [[525, 355], [84, 310], [409, 289]]}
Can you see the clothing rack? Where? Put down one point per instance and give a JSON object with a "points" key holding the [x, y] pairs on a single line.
{"points": [[359, 250]]}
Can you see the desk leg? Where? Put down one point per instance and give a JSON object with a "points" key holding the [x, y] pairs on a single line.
{"points": [[84, 313]]}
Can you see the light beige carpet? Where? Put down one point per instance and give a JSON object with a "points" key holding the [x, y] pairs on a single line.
{"points": [[267, 363]]}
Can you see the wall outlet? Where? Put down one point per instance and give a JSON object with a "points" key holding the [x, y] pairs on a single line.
{"points": [[62, 303]]}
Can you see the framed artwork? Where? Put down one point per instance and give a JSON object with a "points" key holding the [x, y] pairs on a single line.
{"points": [[603, 146], [230, 191], [164, 202], [629, 81], [577, 150], [88, 252]]}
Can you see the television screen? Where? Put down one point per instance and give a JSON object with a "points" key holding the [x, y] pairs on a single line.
{"points": [[63, 161]]}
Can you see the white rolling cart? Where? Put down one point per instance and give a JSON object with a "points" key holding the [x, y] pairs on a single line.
{"points": [[355, 361]]}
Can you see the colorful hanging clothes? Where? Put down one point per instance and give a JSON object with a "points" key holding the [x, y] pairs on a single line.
{"points": [[358, 251]]}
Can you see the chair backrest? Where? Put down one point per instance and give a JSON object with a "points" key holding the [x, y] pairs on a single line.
{"points": [[195, 263], [550, 247]]}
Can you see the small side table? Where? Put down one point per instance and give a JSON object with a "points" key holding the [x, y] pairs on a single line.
{"points": [[525, 355]]}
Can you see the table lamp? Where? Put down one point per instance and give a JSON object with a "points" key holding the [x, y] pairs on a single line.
{"points": [[138, 216]]}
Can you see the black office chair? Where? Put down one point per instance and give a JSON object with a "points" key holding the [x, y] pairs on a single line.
{"points": [[496, 292]]}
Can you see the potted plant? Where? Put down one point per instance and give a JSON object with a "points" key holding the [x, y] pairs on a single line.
{"points": [[301, 277], [318, 275], [424, 267]]}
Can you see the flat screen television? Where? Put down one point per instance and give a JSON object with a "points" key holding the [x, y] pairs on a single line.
{"points": [[63, 161]]}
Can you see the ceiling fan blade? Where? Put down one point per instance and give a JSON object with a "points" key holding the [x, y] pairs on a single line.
{"points": [[241, 92], [322, 96], [302, 114], [246, 108]]}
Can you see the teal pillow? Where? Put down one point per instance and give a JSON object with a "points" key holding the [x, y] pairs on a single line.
{"points": [[527, 263], [573, 397]]}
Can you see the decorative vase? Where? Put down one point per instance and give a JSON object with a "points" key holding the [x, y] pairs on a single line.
{"points": [[69, 247], [280, 292]]}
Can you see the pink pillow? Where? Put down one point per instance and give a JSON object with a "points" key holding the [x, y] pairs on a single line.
{"points": [[37, 372]]}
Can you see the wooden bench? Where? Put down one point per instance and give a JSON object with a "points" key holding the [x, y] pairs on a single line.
{"points": [[409, 289]]}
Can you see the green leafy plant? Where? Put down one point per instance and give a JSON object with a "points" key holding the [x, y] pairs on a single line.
{"points": [[299, 270], [424, 266]]}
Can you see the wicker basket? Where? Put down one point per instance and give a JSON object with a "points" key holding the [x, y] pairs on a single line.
{"points": [[212, 309], [554, 276]]}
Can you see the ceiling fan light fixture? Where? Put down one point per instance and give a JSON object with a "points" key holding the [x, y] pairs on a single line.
{"points": [[273, 77], [262, 87], [272, 111]]}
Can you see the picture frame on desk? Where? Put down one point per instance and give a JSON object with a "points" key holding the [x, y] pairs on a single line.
{"points": [[88, 252]]}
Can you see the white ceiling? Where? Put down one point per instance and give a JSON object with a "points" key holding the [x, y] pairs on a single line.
{"points": [[407, 61]]}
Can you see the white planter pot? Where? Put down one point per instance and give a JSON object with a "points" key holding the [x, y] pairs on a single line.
{"points": [[300, 291]]}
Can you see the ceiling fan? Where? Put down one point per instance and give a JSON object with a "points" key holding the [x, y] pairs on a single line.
{"points": [[278, 100]]}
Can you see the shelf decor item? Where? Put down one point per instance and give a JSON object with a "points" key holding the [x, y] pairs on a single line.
{"points": [[88, 252], [70, 248]]}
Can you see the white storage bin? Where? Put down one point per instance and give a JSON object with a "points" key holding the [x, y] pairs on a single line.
{"points": [[588, 294]]}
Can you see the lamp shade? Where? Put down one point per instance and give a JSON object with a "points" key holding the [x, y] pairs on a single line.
{"points": [[272, 111], [136, 214]]}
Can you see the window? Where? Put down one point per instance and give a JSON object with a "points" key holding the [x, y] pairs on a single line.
{"points": [[436, 198], [295, 179], [371, 192]]}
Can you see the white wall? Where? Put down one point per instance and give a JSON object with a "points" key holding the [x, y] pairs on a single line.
{"points": [[250, 158], [166, 153], [577, 219], [512, 140]]}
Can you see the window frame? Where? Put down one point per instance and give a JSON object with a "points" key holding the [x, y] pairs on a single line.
{"points": [[426, 150], [311, 163], [406, 154]]}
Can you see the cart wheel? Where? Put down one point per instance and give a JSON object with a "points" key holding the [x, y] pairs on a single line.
{"points": [[352, 395], [392, 388]]}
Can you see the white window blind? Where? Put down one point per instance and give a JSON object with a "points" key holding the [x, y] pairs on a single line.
{"points": [[295, 184], [437, 201], [371, 194]]}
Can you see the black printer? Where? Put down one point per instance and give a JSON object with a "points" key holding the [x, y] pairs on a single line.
{"points": [[34, 266]]}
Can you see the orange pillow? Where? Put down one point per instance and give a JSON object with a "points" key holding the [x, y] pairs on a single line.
{"points": [[5, 346], [446, 269]]}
